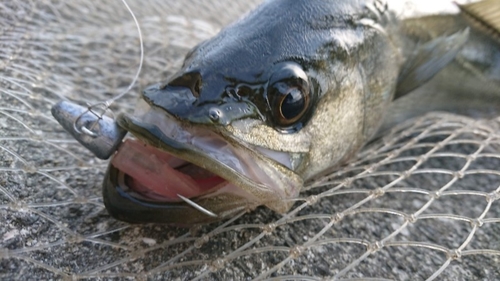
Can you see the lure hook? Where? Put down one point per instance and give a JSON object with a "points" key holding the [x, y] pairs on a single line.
{"points": [[197, 207]]}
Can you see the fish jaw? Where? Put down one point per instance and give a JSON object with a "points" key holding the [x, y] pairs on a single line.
{"points": [[122, 205], [142, 189]]}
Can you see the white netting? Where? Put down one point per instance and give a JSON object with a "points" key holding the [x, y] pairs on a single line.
{"points": [[419, 203]]}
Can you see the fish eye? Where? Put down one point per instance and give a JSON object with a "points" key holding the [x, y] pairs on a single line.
{"points": [[288, 94]]}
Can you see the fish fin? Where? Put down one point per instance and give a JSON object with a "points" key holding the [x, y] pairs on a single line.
{"points": [[483, 15], [428, 59]]}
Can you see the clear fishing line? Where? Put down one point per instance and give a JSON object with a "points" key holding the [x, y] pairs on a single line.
{"points": [[99, 109]]}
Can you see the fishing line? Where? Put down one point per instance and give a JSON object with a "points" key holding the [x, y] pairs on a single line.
{"points": [[100, 108]]}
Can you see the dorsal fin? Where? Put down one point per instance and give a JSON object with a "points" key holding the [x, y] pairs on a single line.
{"points": [[484, 15], [428, 59]]}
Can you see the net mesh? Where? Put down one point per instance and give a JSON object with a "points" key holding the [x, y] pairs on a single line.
{"points": [[419, 203]]}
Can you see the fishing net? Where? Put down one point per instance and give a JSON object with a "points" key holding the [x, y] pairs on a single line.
{"points": [[419, 203]]}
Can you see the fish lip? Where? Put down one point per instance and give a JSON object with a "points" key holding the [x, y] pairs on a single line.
{"points": [[152, 135], [123, 206], [126, 207]]}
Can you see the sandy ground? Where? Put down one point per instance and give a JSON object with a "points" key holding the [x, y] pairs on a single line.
{"points": [[420, 203]]}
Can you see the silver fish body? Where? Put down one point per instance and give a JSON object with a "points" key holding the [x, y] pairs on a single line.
{"points": [[289, 92]]}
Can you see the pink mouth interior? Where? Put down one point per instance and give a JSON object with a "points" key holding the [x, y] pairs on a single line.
{"points": [[157, 175]]}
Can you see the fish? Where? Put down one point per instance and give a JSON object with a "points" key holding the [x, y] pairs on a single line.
{"points": [[290, 92]]}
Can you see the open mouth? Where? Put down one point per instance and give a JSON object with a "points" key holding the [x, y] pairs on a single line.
{"points": [[151, 174], [172, 167]]}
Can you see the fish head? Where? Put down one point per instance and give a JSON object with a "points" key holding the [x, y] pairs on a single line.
{"points": [[272, 101]]}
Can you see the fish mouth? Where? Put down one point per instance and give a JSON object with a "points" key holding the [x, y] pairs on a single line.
{"points": [[150, 177]]}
